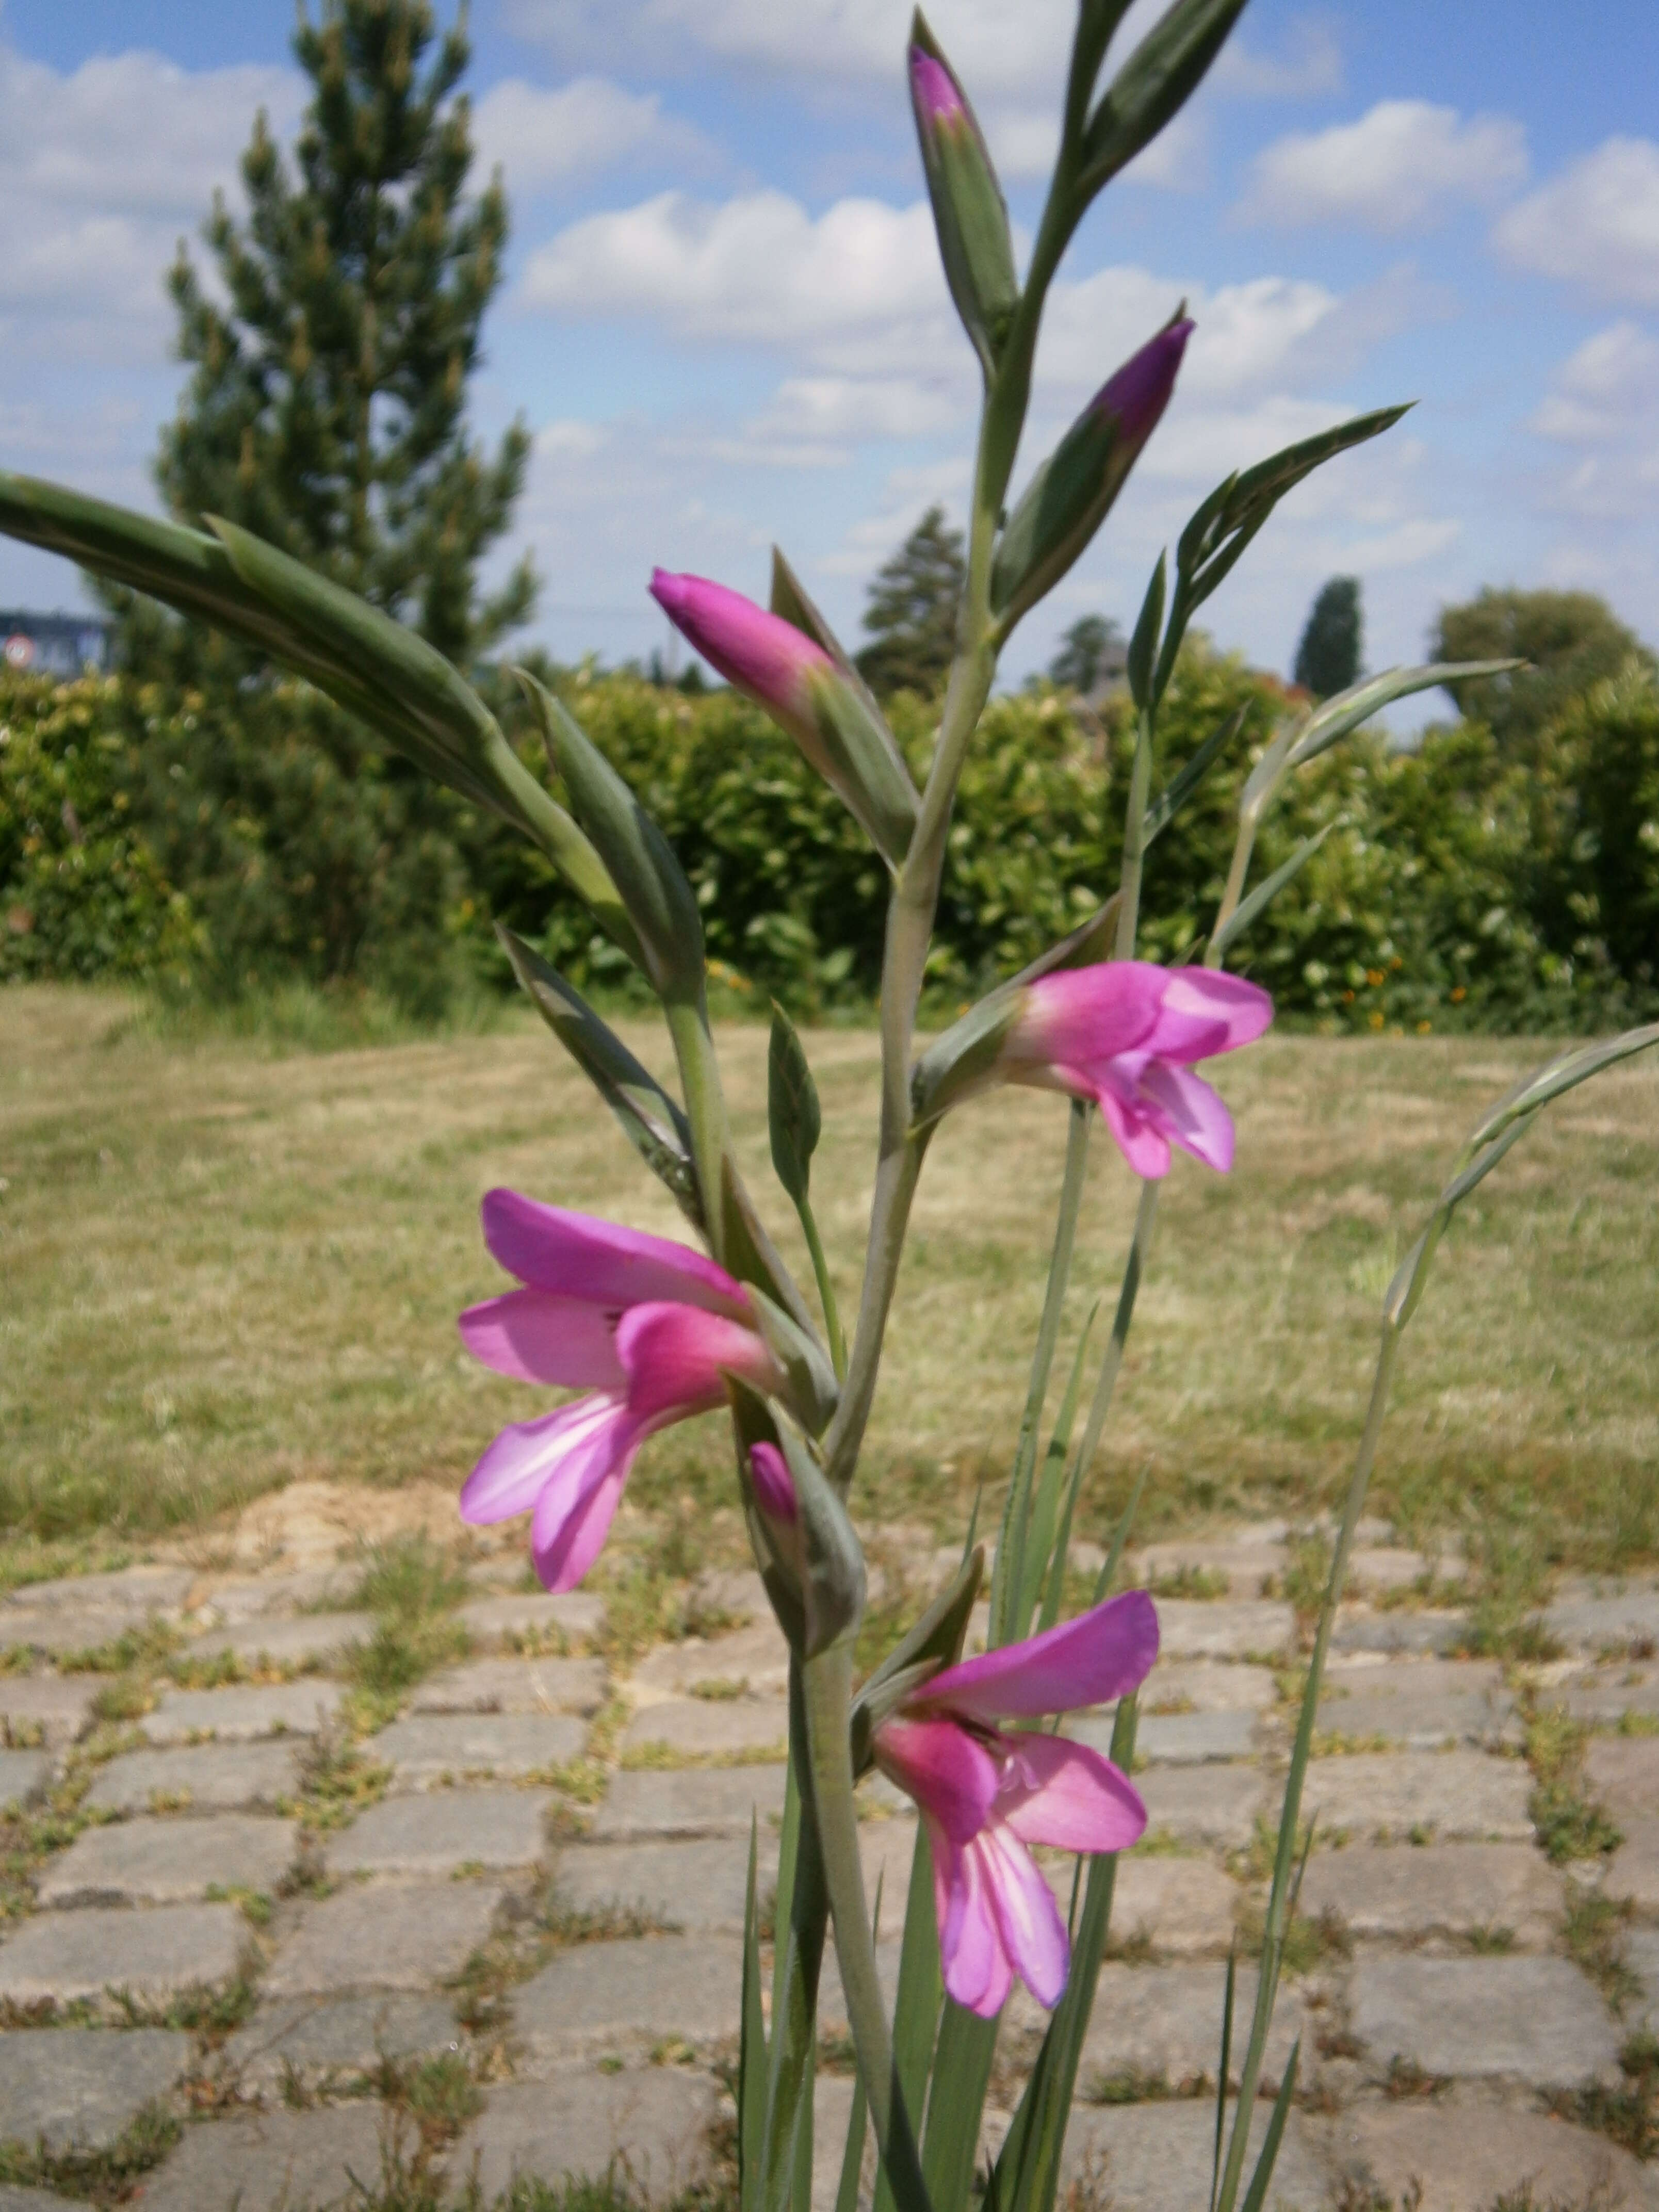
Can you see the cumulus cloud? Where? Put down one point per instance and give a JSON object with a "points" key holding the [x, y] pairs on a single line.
{"points": [[544, 134], [1401, 167], [1596, 225], [1603, 405]]}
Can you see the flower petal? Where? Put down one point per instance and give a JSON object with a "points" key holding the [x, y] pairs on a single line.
{"points": [[595, 1459], [1062, 1793], [1079, 1015], [975, 1963], [1138, 1139], [1087, 1662], [948, 1772], [1226, 1010], [1028, 1918], [581, 1256], [538, 1337], [525, 1458], [676, 1357], [1190, 1113], [564, 1555]]}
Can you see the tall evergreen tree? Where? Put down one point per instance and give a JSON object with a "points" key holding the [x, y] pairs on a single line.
{"points": [[1328, 658], [1093, 642], [327, 412], [911, 618]]}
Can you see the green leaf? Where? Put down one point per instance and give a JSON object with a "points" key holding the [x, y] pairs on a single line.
{"points": [[920, 1993], [794, 1121], [932, 1643], [650, 881], [751, 2056], [1143, 646], [852, 2161], [1170, 801], [1158, 78], [1334, 719], [650, 1120], [1257, 2194], [1248, 910], [812, 1390], [1224, 2070], [1038, 1542]]}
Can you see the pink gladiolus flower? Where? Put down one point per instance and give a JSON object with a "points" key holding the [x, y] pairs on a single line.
{"points": [[650, 1329], [766, 658], [1125, 1034], [1138, 393], [985, 1795], [936, 94]]}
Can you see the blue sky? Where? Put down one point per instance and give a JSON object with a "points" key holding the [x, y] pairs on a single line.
{"points": [[722, 318]]}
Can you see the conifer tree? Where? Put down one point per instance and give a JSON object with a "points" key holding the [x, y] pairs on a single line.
{"points": [[1327, 659], [911, 617]]}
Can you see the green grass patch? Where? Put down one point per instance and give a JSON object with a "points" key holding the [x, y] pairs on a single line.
{"points": [[1569, 1824]]}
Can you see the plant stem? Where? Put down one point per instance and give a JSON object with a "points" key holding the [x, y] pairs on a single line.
{"points": [[827, 1681], [1134, 837], [705, 1110], [826, 1288]]}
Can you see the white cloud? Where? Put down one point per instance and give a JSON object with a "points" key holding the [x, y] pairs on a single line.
{"points": [[1596, 225], [1309, 68], [1603, 401], [544, 134], [1400, 167], [842, 410]]}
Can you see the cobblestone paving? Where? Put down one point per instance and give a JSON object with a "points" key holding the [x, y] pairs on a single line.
{"points": [[274, 1938]]}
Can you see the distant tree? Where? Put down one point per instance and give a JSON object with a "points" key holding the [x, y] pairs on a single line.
{"points": [[1572, 641], [1083, 652], [911, 617], [326, 411], [1327, 660]]}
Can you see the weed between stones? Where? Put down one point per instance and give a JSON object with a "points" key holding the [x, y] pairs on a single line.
{"points": [[103, 2176], [1570, 1825]]}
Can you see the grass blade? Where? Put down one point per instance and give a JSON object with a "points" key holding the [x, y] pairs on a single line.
{"points": [[852, 2162], [1170, 801], [1045, 1504], [1226, 2065], [1256, 2194], [920, 1993], [751, 2056]]}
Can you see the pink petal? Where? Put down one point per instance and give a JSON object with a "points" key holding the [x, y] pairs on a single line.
{"points": [[581, 1256], [523, 1459], [1080, 1014], [676, 1357], [976, 1965], [1226, 1010], [774, 1487], [1141, 1143], [1062, 1793], [1187, 1111], [1087, 1662], [1033, 1933], [536, 1337], [571, 1547], [949, 1774], [591, 1467], [760, 652]]}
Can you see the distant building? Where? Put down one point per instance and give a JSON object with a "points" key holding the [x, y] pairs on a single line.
{"points": [[53, 645]]}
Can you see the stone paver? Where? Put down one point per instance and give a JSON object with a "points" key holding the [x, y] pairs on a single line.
{"points": [[1207, 1685], [1422, 1723], [1467, 2157], [341, 2038], [715, 1801], [23, 1776], [135, 1590], [430, 1748], [832, 2109], [515, 1685], [1390, 1675], [1601, 1695], [886, 1848], [52, 1710], [310, 1640], [609, 1997], [1633, 1873], [702, 1726], [243, 1714], [1188, 1739], [756, 1659], [1203, 1804], [62, 1631], [573, 1617], [1359, 1630], [1442, 1889], [395, 1936], [433, 1834], [698, 1886], [653, 2121], [1181, 1907], [79, 2087], [272, 2162], [16, 2199], [215, 1778], [1247, 1564], [1536, 2021], [1438, 1794], [228, 1602], [145, 1861], [1227, 1629], [58, 1957], [832, 2001], [1163, 2024], [1159, 2157], [1605, 1620], [1623, 1772]]}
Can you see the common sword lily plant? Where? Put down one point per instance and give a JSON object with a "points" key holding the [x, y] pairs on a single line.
{"points": [[648, 1331]]}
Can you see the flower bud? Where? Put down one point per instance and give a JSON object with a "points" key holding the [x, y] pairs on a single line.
{"points": [[774, 1487], [1071, 492], [968, 211]]}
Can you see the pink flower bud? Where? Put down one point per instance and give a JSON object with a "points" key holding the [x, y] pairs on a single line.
{"points": [[774, 1487], [1138, 393], [766, 658], [934, 91]]}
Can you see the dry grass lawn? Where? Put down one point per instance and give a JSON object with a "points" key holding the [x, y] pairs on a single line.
{"points": [[223, 1267]]}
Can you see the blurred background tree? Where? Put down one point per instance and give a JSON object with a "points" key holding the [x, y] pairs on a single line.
{"points": [[1570, 641], [911, 619], [1328, 658], [1091, 648], [327, 412]]}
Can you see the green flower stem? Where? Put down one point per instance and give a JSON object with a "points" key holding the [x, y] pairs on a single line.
{"points": [[827, 1681], [1134, 837], [705, 1110], [1111, 1360], [809, 1223], [897, 1175], [799, 1956]]}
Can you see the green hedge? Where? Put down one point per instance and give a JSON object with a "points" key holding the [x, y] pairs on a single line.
{"points": [[251, 844]]}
